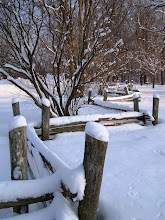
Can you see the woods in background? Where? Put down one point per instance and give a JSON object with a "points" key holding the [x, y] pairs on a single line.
{"points": [[59, 47]]}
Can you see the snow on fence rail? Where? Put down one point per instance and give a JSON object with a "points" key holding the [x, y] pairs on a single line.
{"points": [[78, 123]]}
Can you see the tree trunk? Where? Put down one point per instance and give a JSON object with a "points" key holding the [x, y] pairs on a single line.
{"points": [[162, 77], [153, 81], [141, 79]]}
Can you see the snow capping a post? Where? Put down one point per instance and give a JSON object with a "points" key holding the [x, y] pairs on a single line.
{"points": [[45, 102], [16, 122], [136, 95], [97, 131], [15, 100], [156, 96]]}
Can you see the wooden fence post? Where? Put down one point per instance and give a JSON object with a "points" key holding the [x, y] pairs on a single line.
{"points": [[45, 118], [105, 95], [95, 149], [136, 102], [126, 90], [155, 109], [18, 153], [117, 85], [89, 95], [15, 107], [101, 89]]}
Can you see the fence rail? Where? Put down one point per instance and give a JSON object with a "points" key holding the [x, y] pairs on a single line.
{"points": [[78, 123]]}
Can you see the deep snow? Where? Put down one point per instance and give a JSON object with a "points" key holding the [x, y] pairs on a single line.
{"points": [[134, 176]]}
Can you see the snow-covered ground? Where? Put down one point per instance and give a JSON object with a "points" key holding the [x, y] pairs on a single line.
{"points": [[134, 176]]}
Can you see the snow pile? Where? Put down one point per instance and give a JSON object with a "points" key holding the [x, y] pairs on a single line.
{"points": [[16, 122], [97, 131]]}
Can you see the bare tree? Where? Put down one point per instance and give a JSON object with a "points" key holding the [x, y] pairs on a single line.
{"points": [[152, 33], [58, 46]]}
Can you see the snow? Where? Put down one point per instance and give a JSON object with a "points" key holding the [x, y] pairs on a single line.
{"points": [[112, 105], [73, 179], [15, 100], [97, 131], [95, 117], [17, 122], [45, 102], [53, 211], [42, 171], [17, 173], [17, 69], [135, 96], [119, 43], [111, 63], [119, 98], [156, 96], [13, 190], [134, 177], [109, 51]]}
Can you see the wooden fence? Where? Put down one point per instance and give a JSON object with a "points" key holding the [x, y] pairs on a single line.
{"points": [[109, 103], [47, 168]]}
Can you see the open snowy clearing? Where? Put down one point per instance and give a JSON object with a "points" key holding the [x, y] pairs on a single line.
{"points": [[134, 177]]}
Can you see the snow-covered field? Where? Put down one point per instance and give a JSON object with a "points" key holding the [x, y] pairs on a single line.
{"points": [[134, 173]]}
